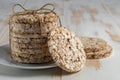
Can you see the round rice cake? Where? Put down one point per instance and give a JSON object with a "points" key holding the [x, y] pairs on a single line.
{"points": [[93, 44], [96, 48], [66, 49], [100, 54]]}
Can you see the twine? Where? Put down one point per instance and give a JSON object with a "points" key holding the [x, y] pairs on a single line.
{"points": [[44, 7]]}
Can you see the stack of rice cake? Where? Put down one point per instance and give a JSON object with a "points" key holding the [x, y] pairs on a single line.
{"points": [[28, 35]]}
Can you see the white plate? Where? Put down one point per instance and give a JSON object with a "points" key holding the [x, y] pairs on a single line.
{"points": [[6, 60]]}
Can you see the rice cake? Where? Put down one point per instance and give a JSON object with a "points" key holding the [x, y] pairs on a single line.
{"points": [[96, 48], [66, 49]]}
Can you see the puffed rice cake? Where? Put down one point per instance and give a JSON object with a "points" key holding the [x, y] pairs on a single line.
{"points": [[28, 35], [66, 49], [96, 48]]}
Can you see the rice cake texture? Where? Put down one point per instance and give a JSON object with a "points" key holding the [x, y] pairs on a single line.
{"points": [[96, 48], [66, 49], [28, 35]]}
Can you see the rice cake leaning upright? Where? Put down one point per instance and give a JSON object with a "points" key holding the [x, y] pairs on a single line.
{"points": [[96, 48], [66, 49]]}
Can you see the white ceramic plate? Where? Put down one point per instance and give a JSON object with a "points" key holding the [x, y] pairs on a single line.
{"points": [[6, 60]]}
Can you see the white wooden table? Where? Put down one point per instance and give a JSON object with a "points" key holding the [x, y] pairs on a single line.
{"points": [[95, 18]]}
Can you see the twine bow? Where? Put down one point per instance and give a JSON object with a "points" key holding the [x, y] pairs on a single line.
{"points": [[44, 7]]}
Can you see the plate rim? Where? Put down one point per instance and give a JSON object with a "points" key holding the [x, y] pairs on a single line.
{"points": [[27, 67]]}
